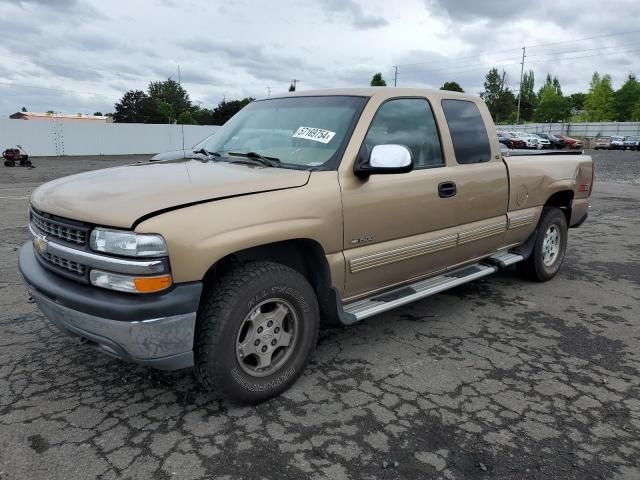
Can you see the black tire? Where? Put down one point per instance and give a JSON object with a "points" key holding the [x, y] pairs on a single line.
{"points": [[537, 266], [225, 309]]}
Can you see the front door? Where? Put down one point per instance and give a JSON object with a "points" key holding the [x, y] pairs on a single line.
{"points": [[400, 226]]}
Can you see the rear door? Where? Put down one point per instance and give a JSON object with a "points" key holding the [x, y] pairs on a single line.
{"points": [[480, 177]]}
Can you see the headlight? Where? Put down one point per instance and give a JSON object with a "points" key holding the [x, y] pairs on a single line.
{"points": [[130, 244]]}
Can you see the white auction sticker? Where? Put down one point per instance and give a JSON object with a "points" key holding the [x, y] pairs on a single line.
{"points": [[315, 134]]}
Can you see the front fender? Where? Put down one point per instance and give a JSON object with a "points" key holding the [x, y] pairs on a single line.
{"points": [[199, 236]]}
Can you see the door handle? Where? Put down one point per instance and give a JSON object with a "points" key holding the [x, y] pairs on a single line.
{"points": [[447, 189]]}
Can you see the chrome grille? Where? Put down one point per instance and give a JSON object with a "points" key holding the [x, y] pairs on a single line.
{"points": [[65, 264], [59, 229]]}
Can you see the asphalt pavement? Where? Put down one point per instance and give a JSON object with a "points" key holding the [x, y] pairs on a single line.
{"points": [[498, 379]]}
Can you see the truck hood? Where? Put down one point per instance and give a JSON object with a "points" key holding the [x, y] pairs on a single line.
{"points": [[117, 197]]}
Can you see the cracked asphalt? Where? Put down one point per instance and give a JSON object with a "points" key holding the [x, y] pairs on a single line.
{"points": [[500, 378]]}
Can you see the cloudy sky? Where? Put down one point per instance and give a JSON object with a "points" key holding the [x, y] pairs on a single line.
{"points": [[81, 56]]}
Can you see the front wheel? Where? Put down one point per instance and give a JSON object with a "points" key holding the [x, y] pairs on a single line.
{"points": [[255, 331], [549, 248]]}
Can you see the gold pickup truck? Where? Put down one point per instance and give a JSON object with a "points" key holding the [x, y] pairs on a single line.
{"points": [[326, 206]]}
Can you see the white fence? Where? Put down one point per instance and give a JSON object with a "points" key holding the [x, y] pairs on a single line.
{"points": [[56, 138], [580, 130]]}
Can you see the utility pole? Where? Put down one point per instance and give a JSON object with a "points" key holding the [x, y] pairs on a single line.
{"points": [[524, 49], [268, 91], [182, 124], [395, 76]]}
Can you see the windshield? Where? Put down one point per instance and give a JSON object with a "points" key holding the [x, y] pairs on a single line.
{"points": [[302, 132]]}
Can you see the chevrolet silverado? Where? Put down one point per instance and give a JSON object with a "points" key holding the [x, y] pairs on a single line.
{"points": [[327, 206]]}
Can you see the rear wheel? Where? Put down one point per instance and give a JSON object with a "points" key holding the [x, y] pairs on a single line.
{"points": [[256, 329], [550, 246]]}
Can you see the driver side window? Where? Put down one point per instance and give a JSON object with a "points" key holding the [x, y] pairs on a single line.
{"points": [[408, 122]]}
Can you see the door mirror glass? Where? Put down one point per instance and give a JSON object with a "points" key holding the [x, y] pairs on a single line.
{"points": [[386, 159]]}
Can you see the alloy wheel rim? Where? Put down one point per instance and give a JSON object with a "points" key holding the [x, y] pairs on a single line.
{"points": [[551, 245], [267, 337]]}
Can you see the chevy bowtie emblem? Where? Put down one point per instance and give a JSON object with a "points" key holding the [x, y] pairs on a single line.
{"points": [[40, 243]]}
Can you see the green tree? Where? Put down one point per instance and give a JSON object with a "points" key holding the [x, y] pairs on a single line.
{"points": [[225, 110], [378, 81], [97, 114], [452, 87], [498, 97], [552, 105], [528, 97], [292, 87], [135, 106], [186, 118], [24, 109], [203, 116], [577, 101], [626, 98], [171, 93], [599, 101], [635, 112], [164, 112]]}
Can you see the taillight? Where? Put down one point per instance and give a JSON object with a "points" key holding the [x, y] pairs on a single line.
{"points": [[593, 178]]}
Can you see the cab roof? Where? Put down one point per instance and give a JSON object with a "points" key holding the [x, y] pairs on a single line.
{"points": [[381, 92]]}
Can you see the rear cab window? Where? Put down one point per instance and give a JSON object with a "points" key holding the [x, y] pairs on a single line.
{"points": [[468, 131]]}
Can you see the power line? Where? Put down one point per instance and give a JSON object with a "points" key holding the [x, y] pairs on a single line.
{"points": [[3, 82], [583, 39], [456, 60], [585, 50], [591, 56], [447, 71]]}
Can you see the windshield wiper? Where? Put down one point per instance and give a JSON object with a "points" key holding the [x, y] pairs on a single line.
{"points": [[207, 153], [261, 159]]}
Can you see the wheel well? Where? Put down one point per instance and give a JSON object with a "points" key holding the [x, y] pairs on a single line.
{"points": [[303, 255], [563, 201]]}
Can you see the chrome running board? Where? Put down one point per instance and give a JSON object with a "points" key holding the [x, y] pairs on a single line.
{"points": [[381, 302], [504, 259]]}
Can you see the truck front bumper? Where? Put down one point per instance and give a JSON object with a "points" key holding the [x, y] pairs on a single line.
{"points": [[154, 329]]}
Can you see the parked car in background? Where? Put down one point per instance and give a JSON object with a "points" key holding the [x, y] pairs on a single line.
{"points": [[572, 143], [632, 143], [542, 142], [603, 143], [511, 140], [530, 142], [555, 142], [617, 142]]}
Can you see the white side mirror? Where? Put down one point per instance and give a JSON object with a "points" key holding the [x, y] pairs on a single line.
{"points": [[390, 157]]}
